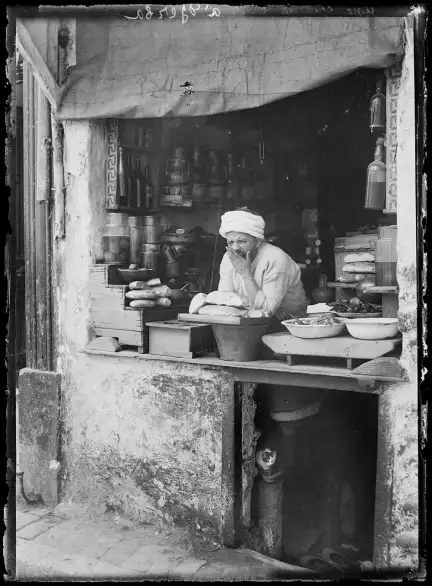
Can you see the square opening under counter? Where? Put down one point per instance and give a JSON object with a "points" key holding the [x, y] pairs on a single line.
{"points": [[179, 339]]}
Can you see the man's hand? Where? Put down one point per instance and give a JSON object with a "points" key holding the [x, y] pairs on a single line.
{"points": [[241, 265]]}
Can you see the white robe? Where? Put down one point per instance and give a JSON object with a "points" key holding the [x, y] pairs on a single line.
{"points": [[277, 276]]}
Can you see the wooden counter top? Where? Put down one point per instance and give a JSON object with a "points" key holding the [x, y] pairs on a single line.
{"points": [[262, 371]]}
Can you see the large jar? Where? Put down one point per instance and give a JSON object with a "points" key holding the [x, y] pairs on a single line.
{"points": [[177, 167], [116, 239], [136, 227]]}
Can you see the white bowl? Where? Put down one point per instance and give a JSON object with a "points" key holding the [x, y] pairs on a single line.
{"points": [[313, 331], [378, 328]]}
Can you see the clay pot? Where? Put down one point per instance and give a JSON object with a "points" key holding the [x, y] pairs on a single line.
{"points": [[322, 294]]}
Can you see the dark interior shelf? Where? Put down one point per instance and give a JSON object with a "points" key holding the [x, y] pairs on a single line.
{"points": [[133, 211]]}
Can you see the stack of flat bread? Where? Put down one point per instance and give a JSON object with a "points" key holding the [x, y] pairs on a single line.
{"points": [[357, 266]]}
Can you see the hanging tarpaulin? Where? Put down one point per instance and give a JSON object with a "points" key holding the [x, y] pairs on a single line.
{"points": [[160, 67]]}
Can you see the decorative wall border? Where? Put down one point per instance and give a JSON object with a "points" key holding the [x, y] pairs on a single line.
{"points": [[112, 201], [393, 76]]}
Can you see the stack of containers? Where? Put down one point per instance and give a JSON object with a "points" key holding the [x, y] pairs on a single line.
{"points": [[116, 239], [386, 256], [150, 249]]}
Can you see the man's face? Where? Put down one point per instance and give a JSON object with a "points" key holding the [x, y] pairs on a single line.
{"points": [[241, 243]]}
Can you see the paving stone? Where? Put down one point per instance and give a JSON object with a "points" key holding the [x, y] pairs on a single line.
{"points": [[35, 529], [187, 569], [152, 560], [117, 553]]}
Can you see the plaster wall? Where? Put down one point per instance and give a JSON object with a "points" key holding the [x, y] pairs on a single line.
{"points": [[397, 541], [141, 436]]}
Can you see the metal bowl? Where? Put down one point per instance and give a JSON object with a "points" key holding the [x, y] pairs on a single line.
{"points": [[373, 328], [130, 275], [312, 331]]}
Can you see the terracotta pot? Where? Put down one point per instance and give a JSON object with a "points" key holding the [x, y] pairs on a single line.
{"points": [[322, 294]]}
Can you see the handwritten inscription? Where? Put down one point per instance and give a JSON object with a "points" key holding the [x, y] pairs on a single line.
{"points": [[148, 14]]}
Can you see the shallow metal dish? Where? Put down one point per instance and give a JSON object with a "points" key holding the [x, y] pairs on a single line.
{"points": [[312, 331], [373, 328], [130, 275]]}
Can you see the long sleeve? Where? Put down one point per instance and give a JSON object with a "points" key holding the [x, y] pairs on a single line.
{"points": [[281, 286], [226, 271]]}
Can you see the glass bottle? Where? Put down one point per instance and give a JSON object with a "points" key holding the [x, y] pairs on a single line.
{"points": [[149, 189], [129, 187], [139, 183], [121, 179], [116, 239], [378, 109], [376, 180], [197, 173]]}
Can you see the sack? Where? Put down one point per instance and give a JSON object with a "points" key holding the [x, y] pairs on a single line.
{"points": [[360, 257], [222, 310], [359, 267], [143, 303], [197, 302], [223, 298], [141, 294]]}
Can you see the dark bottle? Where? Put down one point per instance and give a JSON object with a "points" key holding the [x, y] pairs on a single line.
{"points": [[139, 183], [149, 189], [129, 179], [376, 180], [121, 179], [378, 109]]}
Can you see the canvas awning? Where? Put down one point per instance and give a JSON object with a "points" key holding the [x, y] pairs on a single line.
{"points": [[145, 69]]}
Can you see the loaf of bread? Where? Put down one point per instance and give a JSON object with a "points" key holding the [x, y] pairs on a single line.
{"points": [[162, 291], [138, 285], [359, 267], [359, 257], [197, 302], [223, 298], [222, 310], [141, 294], [163, 301], [143, 303]]}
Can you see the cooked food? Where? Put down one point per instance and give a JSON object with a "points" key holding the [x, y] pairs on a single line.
{"points": [[359, 267], [223, 298], [355, 306], [324, 320], [360, 257], [222, 310], [257, 313]]}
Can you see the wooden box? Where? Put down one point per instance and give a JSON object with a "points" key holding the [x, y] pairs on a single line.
{"points": [[112, 317], [174, 338]]}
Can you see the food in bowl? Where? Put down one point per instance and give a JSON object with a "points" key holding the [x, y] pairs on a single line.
{"points": [[355, 307], [323, 326], [372, 328]]}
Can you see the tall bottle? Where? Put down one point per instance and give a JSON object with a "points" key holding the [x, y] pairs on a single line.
{"points": [[139, 183], [122, 179], [376, 180], [149, 189], [129, 179]]}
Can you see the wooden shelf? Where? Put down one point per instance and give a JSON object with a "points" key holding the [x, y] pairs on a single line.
{"points": [[392, 290], [342, 285], [135, 148]]}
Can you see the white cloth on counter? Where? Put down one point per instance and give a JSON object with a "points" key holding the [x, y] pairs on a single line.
{"points": [[239, 221], [277, 276]]}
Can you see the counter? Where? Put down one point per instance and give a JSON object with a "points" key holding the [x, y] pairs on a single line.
{"points": [[160, 435]]}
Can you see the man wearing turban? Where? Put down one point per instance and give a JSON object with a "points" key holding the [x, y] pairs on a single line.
{"points": [[257, 270]]}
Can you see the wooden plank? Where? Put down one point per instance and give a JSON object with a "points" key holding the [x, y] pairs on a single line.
{"points": [[337, 285], [337, 347], [127, 337], [31, 54], [391, 290], [222, 319]]}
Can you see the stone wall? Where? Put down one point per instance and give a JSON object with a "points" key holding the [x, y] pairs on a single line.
{"points": [[397, 540]]}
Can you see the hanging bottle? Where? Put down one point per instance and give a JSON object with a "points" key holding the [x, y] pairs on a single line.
{"points": [[149, 189], [121, 179], [129, 179], [376, 180], [378, 109]]}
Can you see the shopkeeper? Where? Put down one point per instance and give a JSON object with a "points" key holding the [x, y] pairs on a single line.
{"points": [[259, 271]]}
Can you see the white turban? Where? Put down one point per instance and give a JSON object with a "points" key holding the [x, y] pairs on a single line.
{"points": [[239, 221]]}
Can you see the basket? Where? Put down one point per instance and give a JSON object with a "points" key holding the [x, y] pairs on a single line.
{"points": [[239, 343]]}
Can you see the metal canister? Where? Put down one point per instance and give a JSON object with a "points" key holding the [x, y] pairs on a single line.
{"points": [[149, 257], [136, 237]]}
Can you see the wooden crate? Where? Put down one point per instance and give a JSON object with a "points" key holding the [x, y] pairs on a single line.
{"points": [[112, 317], [173, 338]]}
